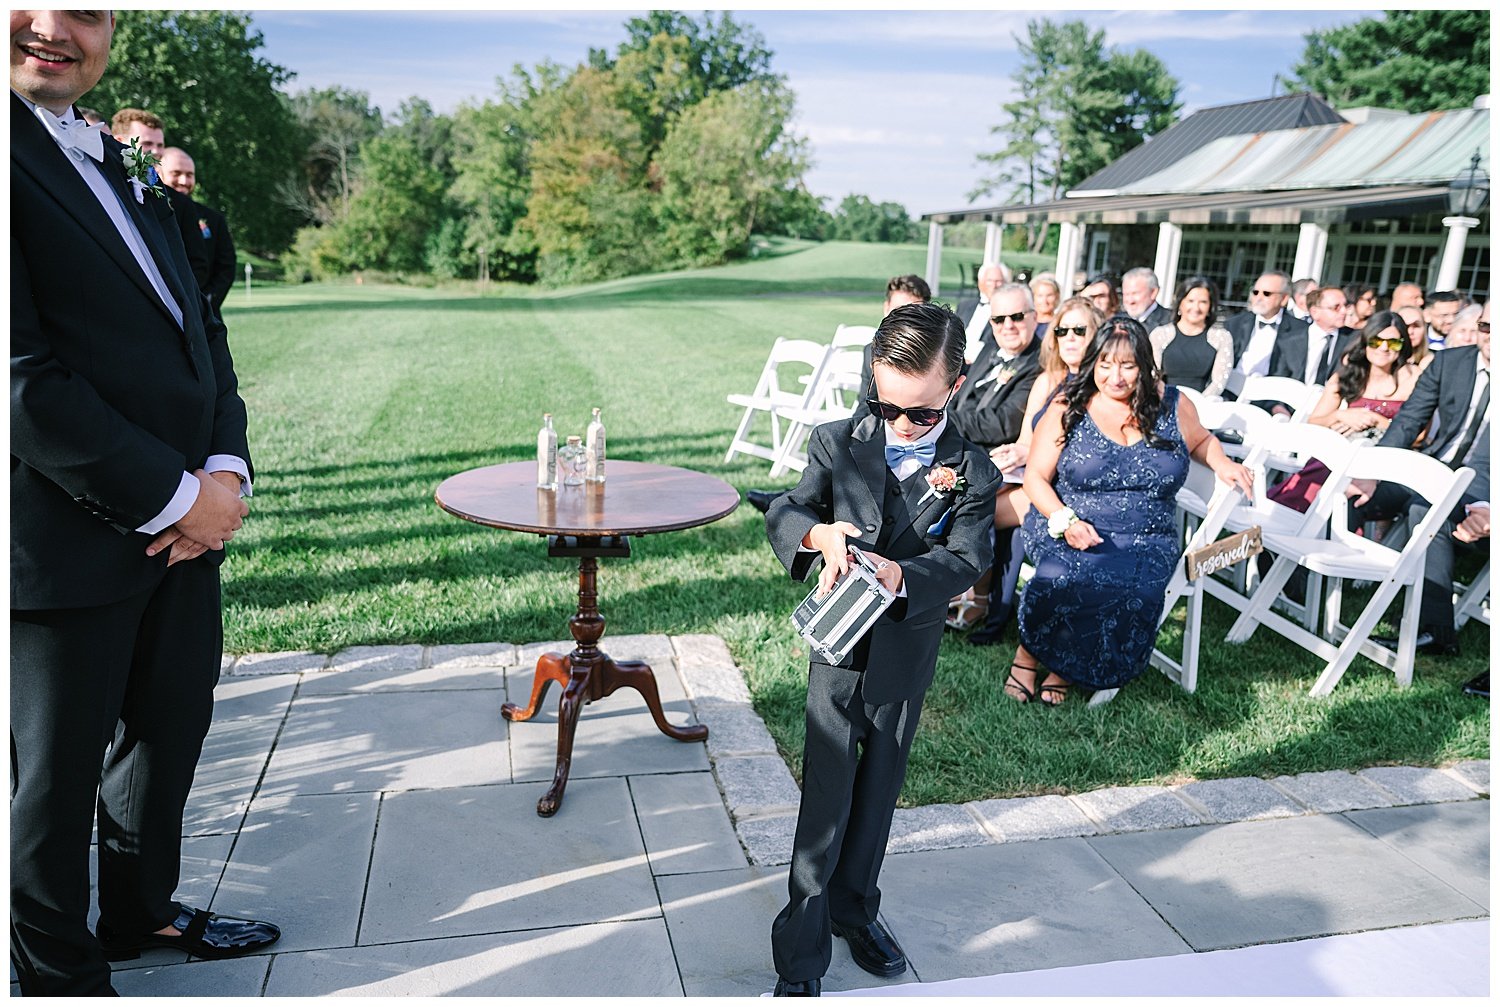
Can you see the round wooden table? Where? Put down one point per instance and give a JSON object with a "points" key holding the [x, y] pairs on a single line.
{"points": [[587, 522]]}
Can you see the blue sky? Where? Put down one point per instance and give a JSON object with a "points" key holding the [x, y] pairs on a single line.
{"points": [[896, 103]]}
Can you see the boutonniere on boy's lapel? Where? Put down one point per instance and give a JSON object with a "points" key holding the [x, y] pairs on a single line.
{"points": [[942, 481]]}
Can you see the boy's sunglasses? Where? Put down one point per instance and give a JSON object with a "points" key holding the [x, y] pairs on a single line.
{"points": [[1074, 330], [922, 416], [1376, 342]]}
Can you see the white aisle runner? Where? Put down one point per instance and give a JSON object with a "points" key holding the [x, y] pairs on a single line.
{"points": [[1441, 959]]}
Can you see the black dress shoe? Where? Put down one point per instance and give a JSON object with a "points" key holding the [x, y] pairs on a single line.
{"points": [[808, 988], [203, 935], [1479, 685], [1426, 644], [874, 949], [987, 636], [761, 499]]}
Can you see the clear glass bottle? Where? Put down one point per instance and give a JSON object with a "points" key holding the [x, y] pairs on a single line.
{"points": [[594, 446], [571, 461], [546, 455]]}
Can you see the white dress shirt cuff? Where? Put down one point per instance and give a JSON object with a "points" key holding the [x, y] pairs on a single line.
{"points": [[1476, 505], [182, 501], [230, 463]]}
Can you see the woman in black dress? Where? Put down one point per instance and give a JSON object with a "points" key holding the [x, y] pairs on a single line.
{"points": [[1195, 351]]}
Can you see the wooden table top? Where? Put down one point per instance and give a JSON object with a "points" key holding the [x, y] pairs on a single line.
{"points": [[636, 498]]}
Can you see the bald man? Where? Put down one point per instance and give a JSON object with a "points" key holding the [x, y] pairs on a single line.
{"points": [[202, 225], [991, 275]]}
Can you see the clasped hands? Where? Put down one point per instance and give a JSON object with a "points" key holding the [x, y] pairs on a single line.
{"points": [[1009, 456], [832, 540], [212, 520], [1349, 421]]}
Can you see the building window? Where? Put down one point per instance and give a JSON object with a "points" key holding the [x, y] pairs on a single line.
{"points": [[1474, 274], [1416, 263]]}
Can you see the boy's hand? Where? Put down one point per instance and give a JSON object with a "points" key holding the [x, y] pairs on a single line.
{"points": [[832, 540], [887, 571]]}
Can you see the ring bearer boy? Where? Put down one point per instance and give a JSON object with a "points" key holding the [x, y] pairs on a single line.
{"points": [[919, 500]]}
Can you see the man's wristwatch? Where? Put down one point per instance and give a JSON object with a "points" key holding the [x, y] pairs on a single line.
{"points": [[1061, 520]]}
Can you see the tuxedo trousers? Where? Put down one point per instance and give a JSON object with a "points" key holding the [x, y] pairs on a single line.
{"points": [[853, 765], [109, 707]]}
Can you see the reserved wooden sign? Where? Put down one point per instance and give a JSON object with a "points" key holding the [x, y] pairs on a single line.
{"points": [[1224, 553]]}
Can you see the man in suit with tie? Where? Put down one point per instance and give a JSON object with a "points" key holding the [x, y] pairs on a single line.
{"points": [[128, 460], [1139, 289], [1311, 353], [1266, 324], [921, 500], [1454, 390], [202, 224]]}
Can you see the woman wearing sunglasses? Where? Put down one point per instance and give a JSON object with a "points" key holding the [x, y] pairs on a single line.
{"points": [[1063, 349], [1372, 382]]}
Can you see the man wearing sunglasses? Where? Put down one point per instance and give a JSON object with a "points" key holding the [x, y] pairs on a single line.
{"points": [[1264, 325], [987, 409], [1311, 353], [921, 500]]}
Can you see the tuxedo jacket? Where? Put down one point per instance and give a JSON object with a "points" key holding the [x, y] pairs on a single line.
{"points": [[942, 542], [1158, 316], [1289, 358], [990, 414], [205, 234], [1241, 326], [110, 399], [1444, 390]]}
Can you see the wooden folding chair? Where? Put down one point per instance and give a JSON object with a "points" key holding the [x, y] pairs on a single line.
{"points": [[1344, 555], [773, 391]]}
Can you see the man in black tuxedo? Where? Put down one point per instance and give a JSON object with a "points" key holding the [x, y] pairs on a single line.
{"points": [[1311, 353], [1267, 323], [149, 133], [1455, 389], [202, 224], [1139, 289], [876, 480], [128, 459], [974, 307]]}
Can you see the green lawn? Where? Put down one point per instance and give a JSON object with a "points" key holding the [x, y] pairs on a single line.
{"points": [[363, 398]]}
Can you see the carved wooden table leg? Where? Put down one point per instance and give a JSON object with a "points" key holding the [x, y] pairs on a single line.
{"points": [[549, 668], [637, 675]]}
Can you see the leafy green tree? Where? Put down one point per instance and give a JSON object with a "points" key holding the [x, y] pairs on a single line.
{"points": [[334, 122], [858, 218], [398, 202], [796, 213], [200, 71], [1081, 106], [1413, 60], [719, 164]]}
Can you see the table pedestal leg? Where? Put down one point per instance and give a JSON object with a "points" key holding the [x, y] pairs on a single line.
{"points": [[588, 674]]}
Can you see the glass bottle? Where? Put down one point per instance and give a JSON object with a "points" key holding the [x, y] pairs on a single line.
{"points": [[546, 455], [594, 447], [570, 461]]}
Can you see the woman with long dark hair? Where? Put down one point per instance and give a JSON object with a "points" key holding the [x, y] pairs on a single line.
{"points": [[1195, 351], [1106, 462]]}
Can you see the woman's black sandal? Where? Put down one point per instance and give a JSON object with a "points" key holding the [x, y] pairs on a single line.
{"points": [[1059, 688], [1012, 680]]}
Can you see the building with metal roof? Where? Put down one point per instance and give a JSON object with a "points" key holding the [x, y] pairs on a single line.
{"points": [[1277, 184]]}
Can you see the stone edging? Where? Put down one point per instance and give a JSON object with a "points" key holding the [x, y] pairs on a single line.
{"points": [[761, 796]]}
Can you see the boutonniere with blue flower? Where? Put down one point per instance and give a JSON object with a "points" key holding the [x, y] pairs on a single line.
{"points": [[140, 168]]}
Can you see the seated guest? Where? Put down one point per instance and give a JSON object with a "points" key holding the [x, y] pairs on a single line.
{"points": [[1360, 303], [1102, 291], [1407, 295], [1465, 329], [1298, 305], [1454, 392], [977, 311], [1442, 307], [1139, 290], [1416, 336], [1311, 353], [1045, 293], [1267, 321], [1195, 351], [1374, 380], [987, 407], [1102, 530], [994, 597]]}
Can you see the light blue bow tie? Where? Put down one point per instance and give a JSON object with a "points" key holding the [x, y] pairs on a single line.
{"points": [[895, 454]]}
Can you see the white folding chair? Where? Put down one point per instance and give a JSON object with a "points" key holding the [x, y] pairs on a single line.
{"points": [[830, 397], [1348, 556], [1301, 397], [773, 391], [1472, 602], [853, 335]]}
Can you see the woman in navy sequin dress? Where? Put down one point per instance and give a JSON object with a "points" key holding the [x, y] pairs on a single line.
{"points": [[1106, 462]]}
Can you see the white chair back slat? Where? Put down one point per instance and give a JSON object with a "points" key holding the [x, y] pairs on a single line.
{"points": [[775, 390], [1298, 395], [853, 335]]}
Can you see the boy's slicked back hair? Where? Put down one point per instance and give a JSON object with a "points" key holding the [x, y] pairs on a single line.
{"points": [[915, 337]]}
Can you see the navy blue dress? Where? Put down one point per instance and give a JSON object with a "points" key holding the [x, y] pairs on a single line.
{"points": [[1091, 615]]}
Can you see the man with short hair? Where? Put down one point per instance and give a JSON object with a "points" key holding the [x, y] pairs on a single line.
{"points": [[1139, 288], [1441, 308], [139, 124], [129, 456], [1300, 289], [1311, 353], [1264, 325], [1407, 294], [990, 276], [149, 133], [987, 409], [203, 224]]}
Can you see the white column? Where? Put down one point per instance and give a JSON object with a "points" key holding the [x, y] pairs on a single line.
{"points": [[1453, 251], [1312, 248], [1069, 254], [993, 231], [934, 254], [1168, 252]]}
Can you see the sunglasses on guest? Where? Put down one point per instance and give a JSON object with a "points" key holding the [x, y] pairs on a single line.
{"points": [[1018, 318], [1266, 293], [1071, 330], [1483, 327], [922, 416], [1376, 342]]}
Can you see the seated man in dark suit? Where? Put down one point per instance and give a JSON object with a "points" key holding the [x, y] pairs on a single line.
{"points": [[1312, 352], [1139, 290], [1265, 324], [1455, 390], [203, 225]]}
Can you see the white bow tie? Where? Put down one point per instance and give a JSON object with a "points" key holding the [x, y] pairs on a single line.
{"points": [[77, 138]]}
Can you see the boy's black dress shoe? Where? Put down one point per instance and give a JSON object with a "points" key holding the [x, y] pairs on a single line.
{"points": [[809, 988], [874, 949], [1426, 644], [203, 935], [761, 499], [1479, 685]]}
